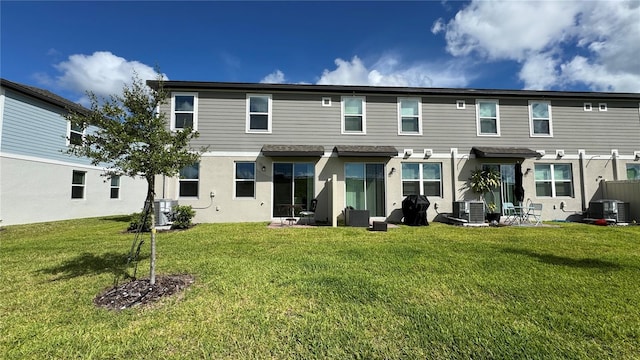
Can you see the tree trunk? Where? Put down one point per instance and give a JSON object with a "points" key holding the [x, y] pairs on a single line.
{"points": [[152, 214]]}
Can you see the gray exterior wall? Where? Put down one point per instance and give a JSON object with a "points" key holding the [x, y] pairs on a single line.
{"points": [[588, 139]]}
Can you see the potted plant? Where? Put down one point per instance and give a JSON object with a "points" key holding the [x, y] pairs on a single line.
{"points": [[483, 181]]}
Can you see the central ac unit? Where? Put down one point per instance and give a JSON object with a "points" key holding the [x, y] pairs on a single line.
{"points": [[609, 209]]}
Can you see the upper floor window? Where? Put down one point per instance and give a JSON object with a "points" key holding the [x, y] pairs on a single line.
{"points": [[409, 116], [540, 118], [77, 184], [258, 113], [488, 118], [184, 111], [553, 180], [245, 180], [353, 115], [633, 171], [422, 179], [75, 134], [189, 179], [115, 187]]}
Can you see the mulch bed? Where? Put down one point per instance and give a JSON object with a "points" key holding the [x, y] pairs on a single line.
{"points": [[140, 292]]}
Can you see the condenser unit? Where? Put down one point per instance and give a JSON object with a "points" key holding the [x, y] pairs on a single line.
{"points": [[471, 211], [609, 209], [163, 209]]}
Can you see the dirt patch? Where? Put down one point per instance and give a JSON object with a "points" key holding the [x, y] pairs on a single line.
{"points": [[140, 292]]}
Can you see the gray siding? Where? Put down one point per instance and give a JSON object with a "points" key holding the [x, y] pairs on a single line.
{"points": [[301, 119], [34, 128]]}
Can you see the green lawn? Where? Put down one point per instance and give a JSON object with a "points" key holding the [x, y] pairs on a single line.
{"points": [[436, 292]]}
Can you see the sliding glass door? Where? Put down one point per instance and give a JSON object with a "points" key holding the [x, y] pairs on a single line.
{"points": [[292, 188], [365, 187]]}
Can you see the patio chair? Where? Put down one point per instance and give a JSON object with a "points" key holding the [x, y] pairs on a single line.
{"points": [[534, 212], [310, 213], [509, 210]]}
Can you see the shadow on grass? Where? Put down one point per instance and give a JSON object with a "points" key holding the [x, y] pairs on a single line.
{"points": [[91, 264], [567, 261], [117, 218]]}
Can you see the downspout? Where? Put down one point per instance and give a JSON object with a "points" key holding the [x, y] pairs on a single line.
{"points": [[614, 163], [454, 155], [583, 193]]}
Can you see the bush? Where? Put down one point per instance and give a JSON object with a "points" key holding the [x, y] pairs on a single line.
{"points": [[136, 220], [182, 216]]}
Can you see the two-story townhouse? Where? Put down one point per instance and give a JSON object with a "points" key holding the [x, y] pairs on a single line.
{"points": [[275, 147], [38, 180]]}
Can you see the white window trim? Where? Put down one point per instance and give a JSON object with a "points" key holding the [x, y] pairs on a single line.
{"points": [[173, 110], [189, 180], [602, 107], [83, 185], [236, 180], [460, 104], [364, 116], [269, 114], [400, 132], [84, 131], [531, 133], [478, 101], [421, 180], [587, 107], [553, 182], [111, 187]]}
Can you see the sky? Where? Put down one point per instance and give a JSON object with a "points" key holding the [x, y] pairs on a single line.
{"points": [[77, 46]]}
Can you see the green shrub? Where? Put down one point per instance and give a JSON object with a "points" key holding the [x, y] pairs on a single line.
{"points": [[136, 221], [182, 216]]}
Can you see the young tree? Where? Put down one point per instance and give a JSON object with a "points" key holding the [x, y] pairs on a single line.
{"points": [[129, 136]]}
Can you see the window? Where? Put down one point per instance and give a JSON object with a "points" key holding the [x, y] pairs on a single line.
{"points": [[488, 118], [259, 113], [633, 171], [540, 118], [602, 106], [75, 134], [353, 115], [422, 179], [189, 179], [245, 180], [588, 107], [460, 105], [364, 187], [409, 116], [293, 188], [184, 111], [115, 187], [553, 180], [77, 184]]}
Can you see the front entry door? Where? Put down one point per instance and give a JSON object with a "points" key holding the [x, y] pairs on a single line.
{"points": [[505, 193]]}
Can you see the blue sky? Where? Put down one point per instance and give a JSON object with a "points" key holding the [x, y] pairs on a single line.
{"points": [[70, 47]]}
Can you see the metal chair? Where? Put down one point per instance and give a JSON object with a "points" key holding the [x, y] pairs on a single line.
{"points": [[509, 210], [534, 211], [310, 213]]}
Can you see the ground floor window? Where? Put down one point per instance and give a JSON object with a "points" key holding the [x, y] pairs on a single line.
{"points": [[115, 187], [245, 180], [553, 180], [77, 184], [365, 187], [422, 179], [189, 179], [633, 171], [293, 188]]}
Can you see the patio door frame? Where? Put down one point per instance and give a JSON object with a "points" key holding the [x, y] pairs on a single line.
{"points": [[507, 184]]}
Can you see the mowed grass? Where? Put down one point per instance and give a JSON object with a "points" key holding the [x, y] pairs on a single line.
{"points": [[436, 292]]}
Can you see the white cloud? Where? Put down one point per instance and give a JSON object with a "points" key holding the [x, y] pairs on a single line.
{"points": [[276, 77], [102, 72], [389, 70], [571, 41]]}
